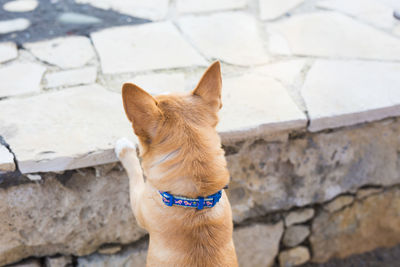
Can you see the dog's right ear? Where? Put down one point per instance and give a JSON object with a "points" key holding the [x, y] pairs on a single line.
{"points": [[141, 109]]}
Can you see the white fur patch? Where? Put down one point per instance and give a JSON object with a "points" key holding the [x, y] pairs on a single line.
{"points": [[121, 145]]}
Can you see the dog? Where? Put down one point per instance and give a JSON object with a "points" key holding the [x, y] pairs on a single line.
{"points": [[181, 203]]}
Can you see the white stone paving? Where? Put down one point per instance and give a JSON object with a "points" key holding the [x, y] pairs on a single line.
{"points": [[66, 129], [144, 47], [6, 160], [157, 84], [20, 78], [149, 9], [342, 93], [272, 9], [72, 77], [285, 71], [20, 5], [232, 37], [328, 34], [13, 25], [196, 6], [64, 52], [371, 11], [257, 104], [8, 51]]}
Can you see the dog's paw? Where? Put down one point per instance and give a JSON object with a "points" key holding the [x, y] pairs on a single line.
{"points": [[122, 146]]}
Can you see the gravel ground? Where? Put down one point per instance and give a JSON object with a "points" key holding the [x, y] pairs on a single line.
{"points": [[45, 23]]}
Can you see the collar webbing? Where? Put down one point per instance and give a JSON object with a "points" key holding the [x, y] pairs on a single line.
{"points": [[198, 203]]}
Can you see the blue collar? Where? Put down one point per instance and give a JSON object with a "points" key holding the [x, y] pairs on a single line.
{"points": [[198, 203]]}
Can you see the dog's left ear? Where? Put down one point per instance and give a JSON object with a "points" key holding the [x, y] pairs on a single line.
{"points": [[210, 86]]}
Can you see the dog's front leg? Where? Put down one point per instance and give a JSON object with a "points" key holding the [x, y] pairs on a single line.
{"points": [[126, 153]]}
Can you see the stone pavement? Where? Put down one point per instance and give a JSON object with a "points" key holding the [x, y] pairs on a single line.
{"points": [[287, 65]]}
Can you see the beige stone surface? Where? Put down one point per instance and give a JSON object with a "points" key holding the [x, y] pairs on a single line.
{"points": [[294, 235], [294, 257], [72, 77], [110, 249], [13, 25], [371, 11], [195, 6], [270, 9], [257, 244], [66, 214], [58, 261], [144, 47], [339, 203], [20, 5], [66, 129], [64, 52], [333, 35], [299, 216], [232, 37], [149, 9], [257, 104], [6, 160], [8, 51], [361, 227], [27, 263], [339, 93], [20, 78], [270, 175], [366, 192]]}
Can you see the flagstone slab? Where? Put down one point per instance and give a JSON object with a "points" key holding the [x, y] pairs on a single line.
{"points": [[145, 47], [343, 93], [6, 160], [160, 83], [71, 77], [195, 6], [333, 35], [64, 52], [285, 71], [257, 104], [148, 9], [232, 37], [371, 11], [20, 78], [20, 5], [272, 9], [66, 129], [8, 51], [13, 25]]}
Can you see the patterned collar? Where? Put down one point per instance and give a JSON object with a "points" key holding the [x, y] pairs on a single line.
{"points": [[198, 203]]}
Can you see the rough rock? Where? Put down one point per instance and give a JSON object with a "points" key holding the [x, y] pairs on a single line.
{"points": [[294, 257], [338, 203], [310, 168], [64, 52], [13, 25], [77, 18], [370, 11], [216, 36], [20, 5], [131, 256], [66, 214], [20, 78], [338, 93], [110, 249], [71, 77], [299, 216], [148, 9], [368, 224], [6, 160], [27, 263], [328, 34], [257, 244], [294, 235], [41, 139], [194, 6], [270, 9], [366, 192], [8, 51], [266, 102], [144, 47], [58, 261]]}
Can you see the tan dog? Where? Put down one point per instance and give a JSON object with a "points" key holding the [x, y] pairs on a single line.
{"points": [[182, 155]]}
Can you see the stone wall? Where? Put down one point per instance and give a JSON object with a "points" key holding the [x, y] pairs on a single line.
{"points": [[296, 197]]}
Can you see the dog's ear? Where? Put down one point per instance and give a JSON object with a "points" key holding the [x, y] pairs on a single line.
{"points": [[210, 86], [141, 109]]}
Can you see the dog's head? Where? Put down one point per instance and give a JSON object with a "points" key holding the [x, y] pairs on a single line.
{"points": [[178, 137]]}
